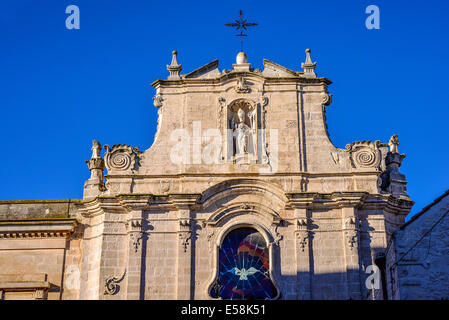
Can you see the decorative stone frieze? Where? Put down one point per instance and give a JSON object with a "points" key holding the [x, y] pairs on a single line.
{"points": [[37, 228]]}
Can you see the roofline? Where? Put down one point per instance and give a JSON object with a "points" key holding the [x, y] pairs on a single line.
{"points": [[219, 79], [39, 201], [425, 209]]}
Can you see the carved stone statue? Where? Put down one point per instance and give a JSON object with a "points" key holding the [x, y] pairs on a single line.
{"points": [[96, 149], [252, 120], [393, 144], [241, 133]]}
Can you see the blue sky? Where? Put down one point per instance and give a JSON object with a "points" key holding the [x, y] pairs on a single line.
{"points": [[61, 88]]}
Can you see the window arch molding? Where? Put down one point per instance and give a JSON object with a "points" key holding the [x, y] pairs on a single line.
{"points": [[244, 221]]}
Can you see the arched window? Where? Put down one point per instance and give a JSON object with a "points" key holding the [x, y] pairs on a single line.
{"points": [[244, 265]]}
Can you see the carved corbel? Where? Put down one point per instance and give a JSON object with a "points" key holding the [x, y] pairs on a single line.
{"points": [[157, 100], [185, 224], [327, 99]]}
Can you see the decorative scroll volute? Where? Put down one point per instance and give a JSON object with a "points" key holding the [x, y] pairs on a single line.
{"points": [[121, 158], [111, 286], [364, 154]]}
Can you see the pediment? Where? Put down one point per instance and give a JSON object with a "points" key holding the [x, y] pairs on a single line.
{"points": [[274, 70], [208, 71]]}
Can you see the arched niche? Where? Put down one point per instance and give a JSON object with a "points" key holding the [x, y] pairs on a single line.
{"points": [[245, 134], [244, 264]]}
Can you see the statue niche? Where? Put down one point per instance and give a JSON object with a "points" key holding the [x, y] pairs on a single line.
{"points": [[242, 130]]}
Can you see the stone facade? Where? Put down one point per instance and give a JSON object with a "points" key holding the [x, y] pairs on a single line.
{"points": [[419, 250], [39, 243], [233, 149]]}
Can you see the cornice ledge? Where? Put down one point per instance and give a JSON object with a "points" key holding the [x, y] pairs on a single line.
{"points": [[37, 228], [184, 201], [134, 202], [349, 199], [94, 207], [300, 200], [398, 205]]}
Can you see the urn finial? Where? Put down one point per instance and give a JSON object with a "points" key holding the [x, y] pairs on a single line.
{"points": [[309, 66], [174, 68]]}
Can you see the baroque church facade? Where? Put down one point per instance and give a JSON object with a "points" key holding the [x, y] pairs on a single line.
{"points": [[241, 196]]}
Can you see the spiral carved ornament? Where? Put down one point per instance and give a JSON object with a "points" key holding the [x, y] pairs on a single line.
{"points": [[120, 157]]}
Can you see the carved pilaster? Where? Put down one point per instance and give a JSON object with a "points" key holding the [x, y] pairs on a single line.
{"points": [[135, 287], [137, 224], [185, 203], [303, 237], [351, 228]]}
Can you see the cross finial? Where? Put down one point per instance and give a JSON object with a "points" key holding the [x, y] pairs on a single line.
{"points": [[241, 24]]}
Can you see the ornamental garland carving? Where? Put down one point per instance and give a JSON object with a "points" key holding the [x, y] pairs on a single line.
{"points": [[302, 233], [121, 158], [352, 227], [221, 106], [364, 154], [184, 238], [135, 231]]}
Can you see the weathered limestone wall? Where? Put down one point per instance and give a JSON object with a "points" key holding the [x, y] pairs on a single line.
{"points": [[38, 240], [29, 209], [421, 250], [155, 228]]}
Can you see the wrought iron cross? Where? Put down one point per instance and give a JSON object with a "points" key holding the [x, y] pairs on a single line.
{"points": [[241, 24]]}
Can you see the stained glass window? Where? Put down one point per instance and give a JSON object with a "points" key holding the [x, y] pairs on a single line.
{"points": [[244, 266]]}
